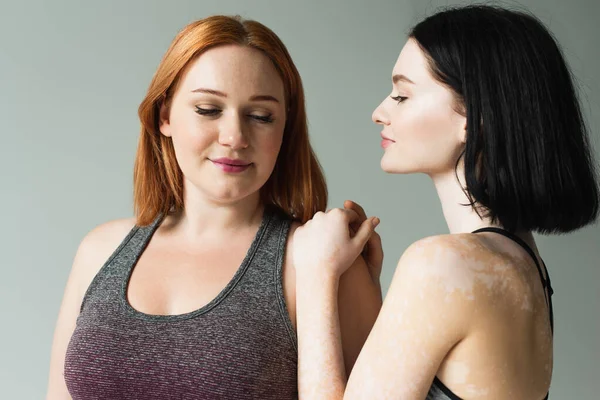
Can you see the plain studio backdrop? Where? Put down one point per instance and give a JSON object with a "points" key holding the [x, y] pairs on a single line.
{"points": [[74, 72]]}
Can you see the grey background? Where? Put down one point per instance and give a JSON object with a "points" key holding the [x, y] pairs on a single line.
{"points": [[73, 74]]}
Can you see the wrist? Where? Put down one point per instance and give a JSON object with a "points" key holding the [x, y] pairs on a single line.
{"points": [[321, 277]]}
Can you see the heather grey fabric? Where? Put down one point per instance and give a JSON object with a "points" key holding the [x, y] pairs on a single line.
{"points": [[241, 345]]}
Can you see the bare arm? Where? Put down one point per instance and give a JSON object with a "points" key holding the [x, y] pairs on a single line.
{"points": [[419, 323], [321, 370], [359, 294], [65, 325], [425, 314], [322, 303], [356, 300], [359, 301], [93, 251]]}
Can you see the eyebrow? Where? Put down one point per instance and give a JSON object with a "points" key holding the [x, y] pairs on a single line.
{"points": [[261, 97], [401, 78]]}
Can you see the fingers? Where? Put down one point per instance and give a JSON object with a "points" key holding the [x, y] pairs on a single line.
{"points": [[346, 215], [349, 204], [375, 254], [365, 231]]}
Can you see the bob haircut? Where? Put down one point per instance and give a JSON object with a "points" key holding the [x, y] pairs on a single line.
{"points": [[527, 156], [296, 186]]}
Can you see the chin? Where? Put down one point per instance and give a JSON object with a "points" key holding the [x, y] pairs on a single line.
{"points": [[233, 193], [395, 167], [222, 192]]}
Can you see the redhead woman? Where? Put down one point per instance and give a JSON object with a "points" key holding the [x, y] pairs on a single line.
{"points": [[194, 297]]}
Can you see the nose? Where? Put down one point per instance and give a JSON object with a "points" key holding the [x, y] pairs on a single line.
{"points": [[380, 116], [231, 133]]}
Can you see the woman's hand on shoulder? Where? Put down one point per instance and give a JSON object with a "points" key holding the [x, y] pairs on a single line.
{"points": [[327, 245]]}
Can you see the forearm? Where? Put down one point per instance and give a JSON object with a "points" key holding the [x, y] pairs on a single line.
{"points": [[359, 301], [321, 372]]}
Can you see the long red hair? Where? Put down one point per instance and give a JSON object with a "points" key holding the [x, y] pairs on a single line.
{"points": [[297, 185]]}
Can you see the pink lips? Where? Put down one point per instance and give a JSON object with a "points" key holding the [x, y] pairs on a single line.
{"points": [[231, 165], [385, 141]]}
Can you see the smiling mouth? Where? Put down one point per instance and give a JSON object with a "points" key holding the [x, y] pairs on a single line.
{"points": [[230, 165], [231, 161], [386, 142], [385, 137]]}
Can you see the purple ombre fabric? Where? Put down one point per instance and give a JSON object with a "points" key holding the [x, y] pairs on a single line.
{"points": [[239, 346]]}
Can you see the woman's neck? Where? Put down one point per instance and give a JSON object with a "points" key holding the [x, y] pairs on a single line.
{"points": [[460, 216], [463, 218], [203, 216]]}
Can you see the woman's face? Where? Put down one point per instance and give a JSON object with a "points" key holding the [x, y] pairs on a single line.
{"points": [[422, 132], [226, 120]]}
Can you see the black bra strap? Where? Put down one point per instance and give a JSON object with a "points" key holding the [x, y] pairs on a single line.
{"points": [[545, 281]]}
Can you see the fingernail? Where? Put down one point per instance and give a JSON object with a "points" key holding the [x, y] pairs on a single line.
{"points": [[375, 222]]}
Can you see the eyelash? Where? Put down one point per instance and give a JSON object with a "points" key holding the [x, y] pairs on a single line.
{"points": [[263, 119], [399, 98]]}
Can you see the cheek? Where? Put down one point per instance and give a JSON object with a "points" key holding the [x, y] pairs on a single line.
{"points": [[267, 141], [190, 134], [424, 137], [421, 122], [268, 146]]}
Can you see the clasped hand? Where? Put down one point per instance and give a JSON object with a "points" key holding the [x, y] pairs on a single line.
{"points": [[330, 242]]}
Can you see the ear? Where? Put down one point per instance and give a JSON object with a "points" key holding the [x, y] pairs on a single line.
{"points": [[164, 124], [462, 133]]}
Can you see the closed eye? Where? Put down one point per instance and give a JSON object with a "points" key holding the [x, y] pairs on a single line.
{"points": [[212, 112], [207, 111], [399, 98], [263, 119]]}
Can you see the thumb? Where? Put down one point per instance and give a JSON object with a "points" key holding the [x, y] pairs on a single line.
{"points": [[365, 231]]}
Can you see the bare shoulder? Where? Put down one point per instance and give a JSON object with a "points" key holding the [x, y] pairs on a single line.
{"points": [[105, 238], [97, 246], [288, 262], [293, 227], [289, 275], [455, 266], [443, 253], [94, 249]]}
